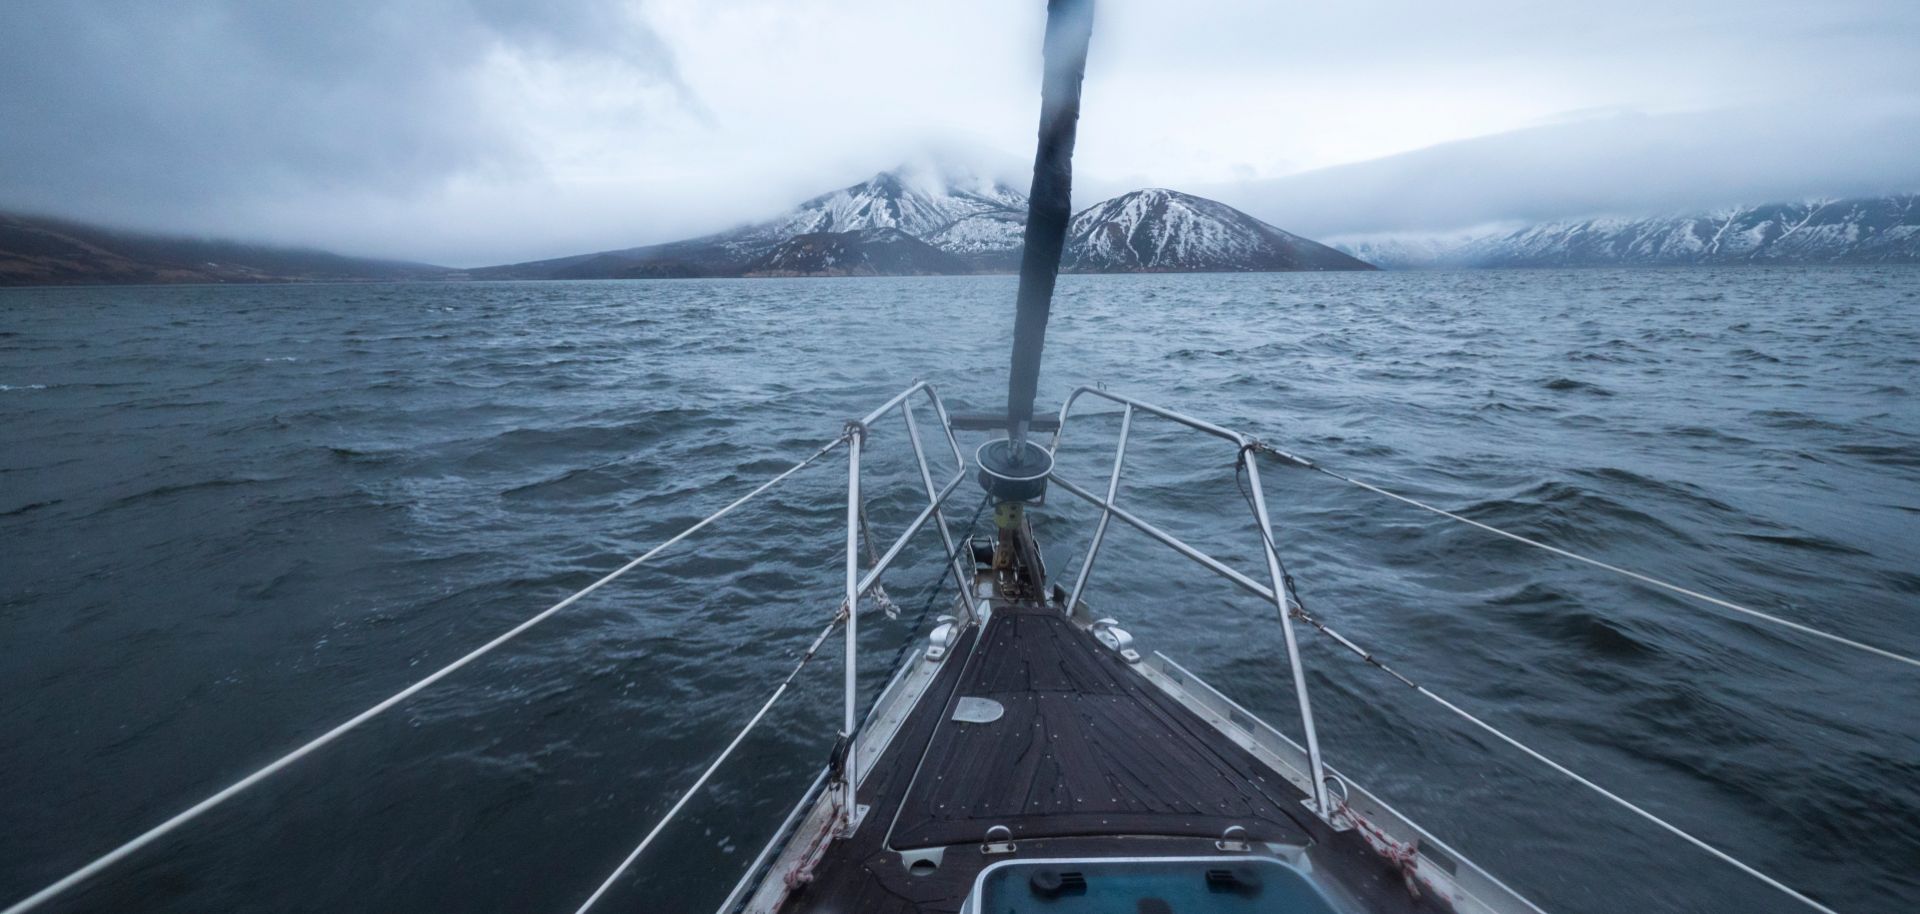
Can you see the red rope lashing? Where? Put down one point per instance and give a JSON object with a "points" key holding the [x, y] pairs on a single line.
{"points": [[1403, 855]]}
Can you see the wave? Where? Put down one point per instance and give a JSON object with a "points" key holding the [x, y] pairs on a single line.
{"points": [[30, 507], [355, 455], [1565, 512], [1882, 454], [1794, 419], [1689, 493], [170, 489], [1748, 354], [1558, 617], [1569, 385]]}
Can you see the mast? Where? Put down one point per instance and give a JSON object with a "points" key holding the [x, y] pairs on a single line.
{"points": [[1049, 205], [1012, 469]]}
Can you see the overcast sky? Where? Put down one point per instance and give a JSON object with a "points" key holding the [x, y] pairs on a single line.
{"points": [[468, 132]]}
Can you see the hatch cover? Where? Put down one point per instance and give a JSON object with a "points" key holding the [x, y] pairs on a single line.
{"points": [[978, 710]]}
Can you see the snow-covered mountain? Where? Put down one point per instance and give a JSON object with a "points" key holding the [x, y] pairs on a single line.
{"points": [[916, 202], [1165, 231], [967, 224], [884, 251], [920, 202], [990, 241], [1866, 230], [1414, 250]]}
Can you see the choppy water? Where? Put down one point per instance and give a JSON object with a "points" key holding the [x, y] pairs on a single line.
{"points": [[230, 517]]}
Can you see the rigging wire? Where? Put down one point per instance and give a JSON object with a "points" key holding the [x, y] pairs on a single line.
{"points": [[1564, 553], [933, 595], [618, 871], [839, 617], [153, 834], [878, 593], [1298, 610]]}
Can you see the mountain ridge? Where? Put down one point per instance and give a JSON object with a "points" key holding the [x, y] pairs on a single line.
{"points": [[1856, 230], [45, 250], [904, 223], [978, 224], [885, 251], [1157, 230]]}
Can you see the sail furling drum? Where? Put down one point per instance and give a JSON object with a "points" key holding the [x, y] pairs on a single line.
{"points": [[1013, 469]]}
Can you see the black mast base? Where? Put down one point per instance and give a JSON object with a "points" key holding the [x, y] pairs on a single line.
{"points": [[1014, 475]]}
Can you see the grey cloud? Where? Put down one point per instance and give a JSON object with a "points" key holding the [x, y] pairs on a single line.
{"points": [[131, 109], [478, 131], [1620, 164]]}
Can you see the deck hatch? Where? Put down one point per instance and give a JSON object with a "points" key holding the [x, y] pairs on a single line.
{"points": [[972, 710], [1184, 885]]}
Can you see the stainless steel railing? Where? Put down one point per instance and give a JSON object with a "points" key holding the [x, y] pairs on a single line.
{"points": [[1280, 595], [1276, 593], [858, 584]]}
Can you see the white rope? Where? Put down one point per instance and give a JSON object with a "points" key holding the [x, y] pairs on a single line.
{"points": [[1635, 575], [155, 833], [661, 825]]}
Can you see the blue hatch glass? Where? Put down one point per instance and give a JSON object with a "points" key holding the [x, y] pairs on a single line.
{"points": [[1169, 886]]}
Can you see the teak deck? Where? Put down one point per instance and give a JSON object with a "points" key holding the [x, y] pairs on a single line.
{"points": [[1086, 750]]}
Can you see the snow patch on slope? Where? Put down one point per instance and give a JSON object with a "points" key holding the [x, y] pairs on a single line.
{"points": [[917, 202], [1165, 230]]}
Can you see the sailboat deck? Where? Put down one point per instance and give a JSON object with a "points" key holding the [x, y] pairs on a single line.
{"points": [[1085, 747], [1088, 759]]}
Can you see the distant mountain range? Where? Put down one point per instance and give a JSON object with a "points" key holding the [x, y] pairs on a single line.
{"points": [[900, 223], [43, 251], [1857, 231], [906, 224]]}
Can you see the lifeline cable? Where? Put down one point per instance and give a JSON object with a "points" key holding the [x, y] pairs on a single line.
{"points": [[274, 767], [933, 596], [1635, 575], [1299, 611], [1301, 614], [738, 738], [777, 693]]}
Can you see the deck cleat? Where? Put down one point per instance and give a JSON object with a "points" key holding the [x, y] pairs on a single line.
{"points": [[1109, 633], [942, 638]]}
